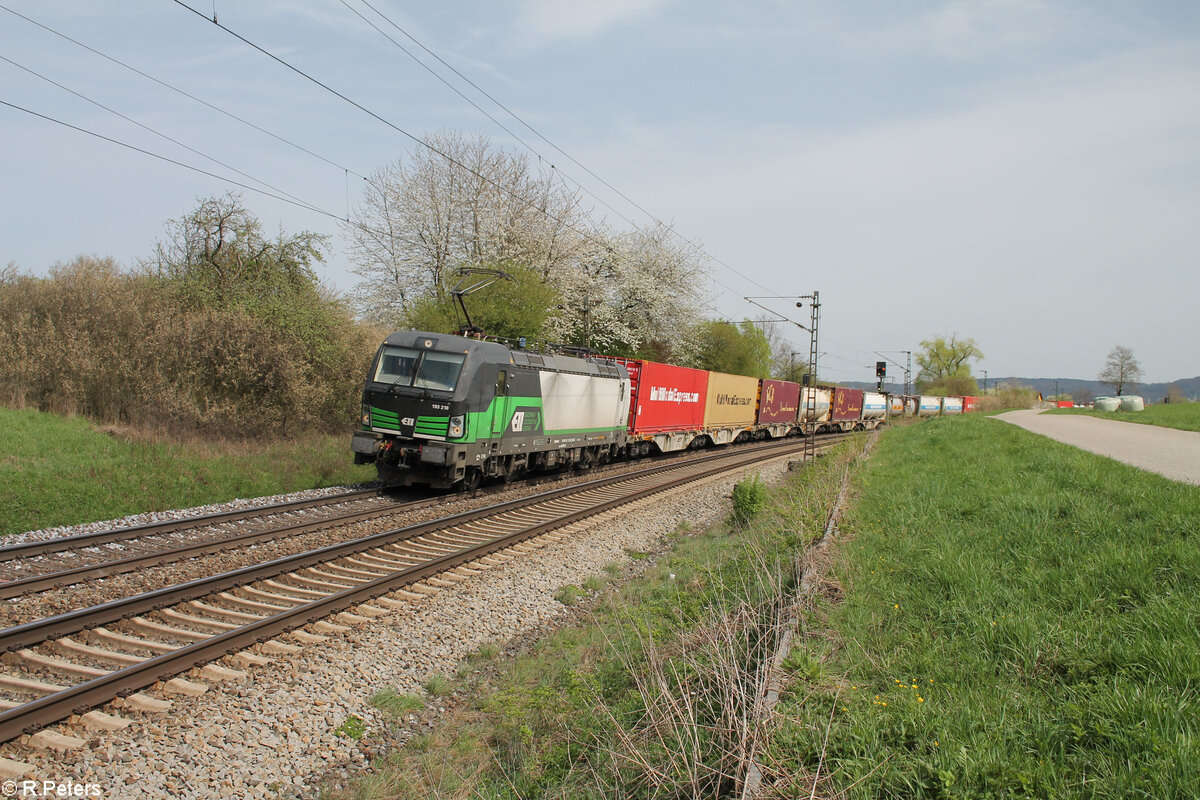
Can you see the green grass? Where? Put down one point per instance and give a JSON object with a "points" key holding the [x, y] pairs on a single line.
{"points": [[1021, 619], [394, 704], [1184, 416], [61, 471]]}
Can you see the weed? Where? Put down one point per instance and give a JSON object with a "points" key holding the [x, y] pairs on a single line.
{"points": [[749, 498], [353, 727], [568, 595], [395, 704], [438, 685]]}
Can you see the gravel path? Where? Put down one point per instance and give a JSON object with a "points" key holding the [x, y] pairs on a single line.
{"points": [[274, 733], [1169, 452]]}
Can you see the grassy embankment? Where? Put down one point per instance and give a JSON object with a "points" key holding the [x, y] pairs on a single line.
{"points": [[1015, 618], [1021, 620], [60, 471], [1184, 416]]}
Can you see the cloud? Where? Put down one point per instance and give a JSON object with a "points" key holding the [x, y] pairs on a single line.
{"points": [[539, 22], [1040, 217], [977, 29]]}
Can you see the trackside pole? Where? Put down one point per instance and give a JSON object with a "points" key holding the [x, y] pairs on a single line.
{"points": [[810, 382]]}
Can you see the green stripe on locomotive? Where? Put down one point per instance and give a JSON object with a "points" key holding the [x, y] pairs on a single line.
{"points": [[505, 417]]}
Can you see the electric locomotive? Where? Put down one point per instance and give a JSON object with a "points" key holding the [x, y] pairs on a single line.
{"points": [[439, 409]]}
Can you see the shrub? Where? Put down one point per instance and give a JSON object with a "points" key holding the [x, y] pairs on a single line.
{"points": [[749, 497], [132, 348]]}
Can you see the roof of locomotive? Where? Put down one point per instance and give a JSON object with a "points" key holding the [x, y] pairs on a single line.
{"points": [[483, 351]]}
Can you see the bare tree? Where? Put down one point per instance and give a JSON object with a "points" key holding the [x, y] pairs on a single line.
{"points": [[457, 202], [1121, 370]]}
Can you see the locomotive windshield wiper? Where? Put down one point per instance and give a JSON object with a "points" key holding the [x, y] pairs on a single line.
{"points": [[409, 376]]}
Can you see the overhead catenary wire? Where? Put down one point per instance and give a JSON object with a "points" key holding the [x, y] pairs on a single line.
{"points": [[189, 148], [186, 94], [169, 160], [568, 156], [419, 141], [347, 170], [225, 179], [483, 111]]}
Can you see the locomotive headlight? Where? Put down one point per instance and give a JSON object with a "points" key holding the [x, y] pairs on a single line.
{"points": [[366, 415], [456, 427]]}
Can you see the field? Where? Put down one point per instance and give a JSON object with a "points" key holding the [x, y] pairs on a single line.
{"points": [[1184, 416], [1020, 620], [61, 471], [1005, 617]]}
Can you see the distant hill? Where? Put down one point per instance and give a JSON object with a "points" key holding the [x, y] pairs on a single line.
{"points": [[1153, 392]]}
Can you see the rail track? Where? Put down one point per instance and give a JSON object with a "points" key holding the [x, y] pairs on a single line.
{"points": [[73, 662], [32, 567]]}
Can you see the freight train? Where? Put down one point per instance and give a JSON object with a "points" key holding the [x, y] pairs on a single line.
{"points": [[442, 410]]}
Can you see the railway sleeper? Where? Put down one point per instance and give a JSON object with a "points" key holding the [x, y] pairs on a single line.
{"points": [[292, 602], [275, 648], [199, 605], [331, 580], [69, 646], [328, 586], [283, 587], [60, 665], [360, 575], [199, 622], [29, 685], [144, 703], [166, 630], [104, 634]]}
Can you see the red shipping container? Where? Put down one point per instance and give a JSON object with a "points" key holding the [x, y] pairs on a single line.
{"points": [[779, 401], [665, 398], [970, 404], [1065, 404], [847, 404]]}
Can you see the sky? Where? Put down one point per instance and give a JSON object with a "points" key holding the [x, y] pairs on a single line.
{"points": [[1022, 173]]}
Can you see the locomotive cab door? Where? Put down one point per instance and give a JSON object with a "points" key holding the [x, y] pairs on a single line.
{"points": [[500, 405]]}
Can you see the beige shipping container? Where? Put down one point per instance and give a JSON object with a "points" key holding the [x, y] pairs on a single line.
{"points": [[732, 400]]}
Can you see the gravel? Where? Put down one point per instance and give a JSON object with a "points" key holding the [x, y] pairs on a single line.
{"points": [[148, 517], [274, 734]]}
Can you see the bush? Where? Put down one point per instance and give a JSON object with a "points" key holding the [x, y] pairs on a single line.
{"points": [[749, 497], [1010, 395], [123, 348]]}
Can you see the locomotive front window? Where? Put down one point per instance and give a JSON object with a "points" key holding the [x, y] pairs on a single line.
{"points": [[439, 371], [403, 366], [396, 365]]}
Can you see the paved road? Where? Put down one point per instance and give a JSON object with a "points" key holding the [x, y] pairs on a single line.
{"points": [[1169, 452]]}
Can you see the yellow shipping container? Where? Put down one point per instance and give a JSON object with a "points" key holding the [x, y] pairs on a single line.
{"points": [[732, 400]]}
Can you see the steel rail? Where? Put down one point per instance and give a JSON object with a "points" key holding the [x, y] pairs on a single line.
{"points": [[49, 580], [76, 699], [96, 538]]}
